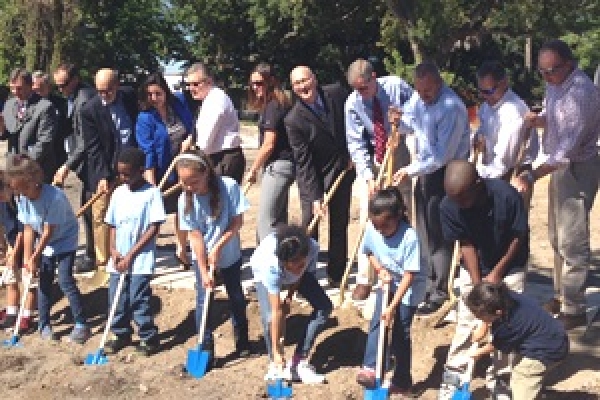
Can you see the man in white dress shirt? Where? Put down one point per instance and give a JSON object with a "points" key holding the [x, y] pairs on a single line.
{"points": [[217, 125]]}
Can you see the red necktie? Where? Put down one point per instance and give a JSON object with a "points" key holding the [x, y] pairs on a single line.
{"points": [[378, 130]]}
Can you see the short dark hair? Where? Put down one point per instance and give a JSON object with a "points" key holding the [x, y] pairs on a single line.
{"points": [[292, 243], [559, 47], [133, 156], [21, 73], [488, 298], [389, 201], [70, 68], [492, 68], [427, 68]]}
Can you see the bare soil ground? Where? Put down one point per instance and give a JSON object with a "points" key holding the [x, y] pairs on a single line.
{"points": [[42, 370]]}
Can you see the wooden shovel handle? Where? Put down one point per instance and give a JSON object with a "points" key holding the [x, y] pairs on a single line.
{"points": [[326, 200], [89, 203]]}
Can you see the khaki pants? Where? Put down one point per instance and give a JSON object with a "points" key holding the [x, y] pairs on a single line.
{"points": [[467, 321], [571, 195], [527, 378], [366, 275], [101, 229]]}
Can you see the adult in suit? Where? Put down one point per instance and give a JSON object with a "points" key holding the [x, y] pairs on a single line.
{"points": [[30, 123], [77, 94], [107, 125], [42, 86], [315, 128]]}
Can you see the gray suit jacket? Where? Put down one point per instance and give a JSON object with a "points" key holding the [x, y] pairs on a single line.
{"points": [[34, 133], [75, 143]]}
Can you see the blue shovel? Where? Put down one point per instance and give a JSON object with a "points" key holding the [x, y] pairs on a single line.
{"points": [[198, 359], [14, 340], [99, 357], [462, 392], [379, 392], [280, 389]]}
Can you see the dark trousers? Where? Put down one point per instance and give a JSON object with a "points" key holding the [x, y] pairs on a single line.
{"points": [[230, 163], [435, 251], [63, 264], [134, 304], [401, 345], [232, 279], [90, 250], [339, 217]]}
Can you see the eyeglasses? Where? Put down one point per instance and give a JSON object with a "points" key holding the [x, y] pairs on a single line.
{"points": [[197, 83], [301, 81], [488, 92], [257, 83], [552, 70]]}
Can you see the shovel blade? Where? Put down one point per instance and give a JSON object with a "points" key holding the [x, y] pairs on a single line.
{"points": [[462, 393], [197, 362], [279, 390], [97, 358], [12, 342], [377, 393]]}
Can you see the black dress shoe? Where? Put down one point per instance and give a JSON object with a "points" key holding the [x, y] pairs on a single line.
{"points": [[87, 265]]}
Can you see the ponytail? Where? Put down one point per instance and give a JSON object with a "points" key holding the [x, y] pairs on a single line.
{"points": [[292, 243]]}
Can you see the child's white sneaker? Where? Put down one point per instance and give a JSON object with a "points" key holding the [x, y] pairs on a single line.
{"points": [[276, 372], [305, 373]]}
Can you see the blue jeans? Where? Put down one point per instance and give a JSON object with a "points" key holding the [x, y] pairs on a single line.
{"points": [[64, 264], [401, 346], [232, 278], [134, 304], [313, 292]]}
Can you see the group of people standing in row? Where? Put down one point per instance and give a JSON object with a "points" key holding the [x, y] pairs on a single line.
{"points": [[102, 136]]}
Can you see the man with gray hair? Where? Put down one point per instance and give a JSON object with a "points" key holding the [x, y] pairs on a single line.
{"points": [[30, 123], [438, 118], [367, 132], [217, 125]]}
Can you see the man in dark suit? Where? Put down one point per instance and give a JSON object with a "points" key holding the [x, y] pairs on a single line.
{"points": [[107, 125], [315, 127], [68, 82], [30, 123], [42, 86]]}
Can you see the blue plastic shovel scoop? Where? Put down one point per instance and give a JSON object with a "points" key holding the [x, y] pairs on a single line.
{"points": [[379, 392], [198, 359]]}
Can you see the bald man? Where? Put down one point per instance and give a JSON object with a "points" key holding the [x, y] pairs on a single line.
{"points": [[107, 125], [489, 219], [315, 128]]}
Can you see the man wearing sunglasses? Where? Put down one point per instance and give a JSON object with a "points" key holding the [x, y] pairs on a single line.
{"points": [[69, 84], [571, 122], [502, 133], [367, 131]]}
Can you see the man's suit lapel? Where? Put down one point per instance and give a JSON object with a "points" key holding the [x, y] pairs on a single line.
{"points": [[330, 111]]}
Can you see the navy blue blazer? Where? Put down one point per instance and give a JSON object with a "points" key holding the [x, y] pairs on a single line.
{"points": [[153, 138]]}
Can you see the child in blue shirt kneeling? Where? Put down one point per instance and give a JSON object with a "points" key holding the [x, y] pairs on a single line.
{"points": [[135, 213], [392, 247]]}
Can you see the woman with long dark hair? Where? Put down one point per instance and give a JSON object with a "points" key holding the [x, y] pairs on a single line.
{"points": [[275, 155]]}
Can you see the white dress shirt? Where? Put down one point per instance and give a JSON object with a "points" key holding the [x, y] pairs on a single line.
{"points": [[217, 126]]}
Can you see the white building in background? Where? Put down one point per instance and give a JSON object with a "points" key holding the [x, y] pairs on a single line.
{"points": [[174, 80]]}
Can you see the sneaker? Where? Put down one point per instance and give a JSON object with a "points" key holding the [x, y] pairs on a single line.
{"points": [[305, 373], [428, 309], [116, 343], [274, 373], [361, 292], [552, 306], [366, 378], [47, 334], [147, 347], [25, 325], [80, 334], [2, 315], [8, 322], [572, 321]]}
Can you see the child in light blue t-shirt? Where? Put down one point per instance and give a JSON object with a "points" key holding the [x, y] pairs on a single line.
{"points": [[287, 259], [393, 249], [135, 213], [210, 209], [45, 212]]}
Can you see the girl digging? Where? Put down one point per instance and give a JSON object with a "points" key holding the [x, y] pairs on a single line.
{"points": [[392, 247], [210, 210], [288, 259], [13, 274], [45, 212]]}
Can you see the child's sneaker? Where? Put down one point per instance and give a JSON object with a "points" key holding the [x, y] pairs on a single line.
{"points": [[47, 334], [8, 323], [306, 373], [25, 325], [147, 347], [116, 344], [80, 334], [366, 378], [2, 315], [274, 372]]}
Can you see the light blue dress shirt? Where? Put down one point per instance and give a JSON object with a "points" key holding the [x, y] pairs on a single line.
{"points": [[441, 130], [391, 91]]}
